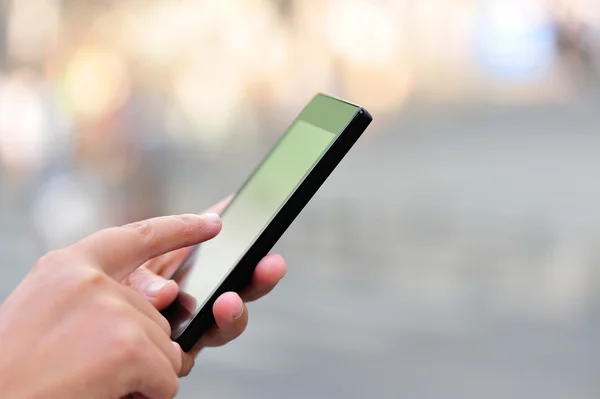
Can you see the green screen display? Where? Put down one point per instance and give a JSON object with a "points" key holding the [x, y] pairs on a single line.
{"points": [[259, 200]]}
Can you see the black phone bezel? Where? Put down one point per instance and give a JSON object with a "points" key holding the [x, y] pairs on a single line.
{"points": [[241, 274]]}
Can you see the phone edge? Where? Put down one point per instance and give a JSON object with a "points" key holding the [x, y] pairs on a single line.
{"points": [[242, 273]]}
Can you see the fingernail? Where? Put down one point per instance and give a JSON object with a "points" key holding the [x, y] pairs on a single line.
{"points": [[211, 218], [239, 313], [155, 285]]}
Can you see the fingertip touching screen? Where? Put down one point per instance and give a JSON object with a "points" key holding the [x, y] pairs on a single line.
{"points": [[258, 201]]}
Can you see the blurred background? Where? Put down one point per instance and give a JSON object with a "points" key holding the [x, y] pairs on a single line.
{"points": [[454, 253]]}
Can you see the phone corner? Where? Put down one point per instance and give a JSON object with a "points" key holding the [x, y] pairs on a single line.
{"points": [[365, 115]]}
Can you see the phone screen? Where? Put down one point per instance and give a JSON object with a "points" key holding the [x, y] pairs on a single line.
{"points": [[251, 210]]}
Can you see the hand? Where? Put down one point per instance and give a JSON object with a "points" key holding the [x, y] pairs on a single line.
{"points": [[230, 312], [72, 330]]}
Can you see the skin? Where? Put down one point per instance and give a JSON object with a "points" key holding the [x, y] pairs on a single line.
{"points": [[230, 311], [85, 321]]}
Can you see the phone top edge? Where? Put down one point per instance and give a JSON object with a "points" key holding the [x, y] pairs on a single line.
{"points": [[329, 113], [360, 110], [321, 94]]}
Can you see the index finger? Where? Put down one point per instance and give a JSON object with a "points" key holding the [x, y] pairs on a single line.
{"points": [[166, 265], [120, 250]]}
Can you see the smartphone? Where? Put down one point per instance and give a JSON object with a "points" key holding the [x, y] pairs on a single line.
{"points": [[261, 211]]}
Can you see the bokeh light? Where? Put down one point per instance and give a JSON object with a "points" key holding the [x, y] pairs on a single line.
{"points": [[211, 109], [24, 130], [96, 82], [33, 29], [363, 32]]}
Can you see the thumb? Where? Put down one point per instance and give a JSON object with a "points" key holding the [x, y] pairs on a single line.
{"points": [[159, 291]]}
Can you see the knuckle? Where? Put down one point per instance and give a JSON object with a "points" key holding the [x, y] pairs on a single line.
{"points": [[128, 343], [145, 231], [89, 278], [187, 225], [187, 366], [165, 325], [50, 259], [84, 283], [156, 372], [136, 279], [142, 227], [173, 387], [116, 308]]}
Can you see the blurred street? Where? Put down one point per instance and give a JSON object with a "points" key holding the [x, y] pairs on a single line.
{"points": [[454, 253], [426, 267]]}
